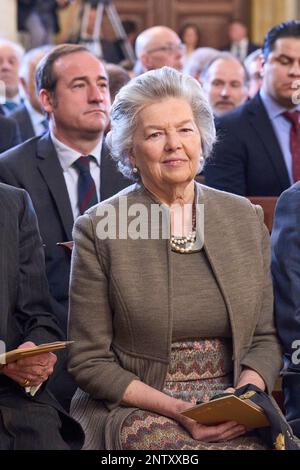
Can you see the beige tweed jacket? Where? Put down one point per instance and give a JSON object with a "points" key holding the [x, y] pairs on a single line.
{"points": [[121, 306]]}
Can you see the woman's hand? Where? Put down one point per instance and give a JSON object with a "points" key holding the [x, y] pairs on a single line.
{"points": [[217, 433], [31, 371]]}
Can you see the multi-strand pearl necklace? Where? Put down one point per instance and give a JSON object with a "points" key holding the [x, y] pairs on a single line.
{"points": [[185, 245]]}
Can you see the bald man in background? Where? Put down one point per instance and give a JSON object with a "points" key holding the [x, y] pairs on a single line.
{"points": [[159, 46]]}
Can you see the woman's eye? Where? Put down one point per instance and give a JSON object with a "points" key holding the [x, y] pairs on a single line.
{"points": [[186, 130], [154, 135]]}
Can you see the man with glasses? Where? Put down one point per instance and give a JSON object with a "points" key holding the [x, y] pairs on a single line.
{"points": [[159, 46]]}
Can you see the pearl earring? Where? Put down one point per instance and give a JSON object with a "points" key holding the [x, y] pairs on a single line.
{"points": [[135, 170]]}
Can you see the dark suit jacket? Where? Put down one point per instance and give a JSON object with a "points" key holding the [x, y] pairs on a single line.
{"points": [[22, 118], [35, 167], [9, 134], [24, 295], [247, 158], [286, 276]]}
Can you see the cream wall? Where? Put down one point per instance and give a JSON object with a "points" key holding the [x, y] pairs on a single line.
{"points": [[8, 19], [268, 13]]}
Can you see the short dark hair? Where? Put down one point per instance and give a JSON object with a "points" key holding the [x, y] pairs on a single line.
{"points": [[45, 76], [288, 29]]}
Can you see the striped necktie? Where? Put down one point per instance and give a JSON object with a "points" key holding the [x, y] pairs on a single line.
{"points": [[294, 119], [87, 194]]}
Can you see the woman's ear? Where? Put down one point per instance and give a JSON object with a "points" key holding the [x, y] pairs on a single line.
{"points": [[132, 159]]}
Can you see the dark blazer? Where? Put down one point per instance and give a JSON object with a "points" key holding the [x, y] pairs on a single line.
{"points": [[34, 166], [286, 276], [9, 134], [25, 313], [247, 159], [22, 118]]}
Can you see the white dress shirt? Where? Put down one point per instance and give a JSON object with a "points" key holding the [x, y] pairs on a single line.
{"points": [[240, 49], [67, 156]]}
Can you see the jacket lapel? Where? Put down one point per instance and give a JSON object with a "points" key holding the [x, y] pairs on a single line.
{"points": [[49, 166], [259, 119]]}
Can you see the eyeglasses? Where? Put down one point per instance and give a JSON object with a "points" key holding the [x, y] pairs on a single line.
{"points": [[169, 48]]}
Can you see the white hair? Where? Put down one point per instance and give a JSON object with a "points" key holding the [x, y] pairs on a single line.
{"points": [[19, 50], [199, 59], [155, 86], [32, 57]]}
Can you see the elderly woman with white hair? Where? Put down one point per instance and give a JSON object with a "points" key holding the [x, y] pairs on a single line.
{"points": [[162, 318]]}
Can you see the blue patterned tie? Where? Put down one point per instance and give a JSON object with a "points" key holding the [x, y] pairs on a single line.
{"points": [[10, 105], [87, 194]]}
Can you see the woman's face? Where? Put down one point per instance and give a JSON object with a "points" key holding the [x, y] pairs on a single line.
{"points": [[166, 144], [190, 36]]}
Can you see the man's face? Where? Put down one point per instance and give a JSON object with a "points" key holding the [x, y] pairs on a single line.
{"points": [[225, 86], [80, 105], [164, 49], [282, 71], [237, 32], [9, 69]]}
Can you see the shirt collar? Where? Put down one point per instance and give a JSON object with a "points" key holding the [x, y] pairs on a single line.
{"points": [[67, 156], [273, 108]]}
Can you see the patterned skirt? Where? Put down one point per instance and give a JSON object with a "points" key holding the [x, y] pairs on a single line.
{"points": [[198, 370]]}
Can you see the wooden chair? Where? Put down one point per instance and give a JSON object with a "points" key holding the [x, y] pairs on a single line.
{"points": [[268, 204]]}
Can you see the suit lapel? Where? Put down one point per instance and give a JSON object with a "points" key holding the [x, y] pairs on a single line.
{"points": [[49, 166], [260, 121]]}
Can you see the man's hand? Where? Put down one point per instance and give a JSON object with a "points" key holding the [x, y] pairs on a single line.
{"points": [[31, 371]]}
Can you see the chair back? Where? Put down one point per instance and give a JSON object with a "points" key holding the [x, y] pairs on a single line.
{"points": [[268, 204]]}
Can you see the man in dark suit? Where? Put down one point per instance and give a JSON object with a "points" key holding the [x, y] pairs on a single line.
{"points": [[286, 276], [9, 134], [240, 46], [74, 92], [27, 422], [254, 155]]}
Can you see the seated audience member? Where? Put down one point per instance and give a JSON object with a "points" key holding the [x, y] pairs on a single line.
{"points": [[11, 55], [255, 154], [29, 115], [69, 168], [254, 67], [135, 354], [286, 276], [199, 60], [239, 43], [117, 77], [9, 134], [159, 46], [225, 81], [190, 37], [27, 422]]}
